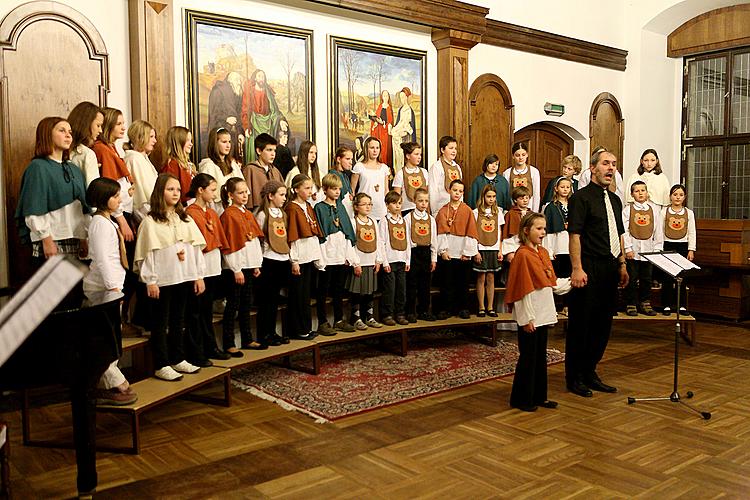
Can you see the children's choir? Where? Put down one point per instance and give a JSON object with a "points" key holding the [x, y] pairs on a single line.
{"points": [[243, 233]]}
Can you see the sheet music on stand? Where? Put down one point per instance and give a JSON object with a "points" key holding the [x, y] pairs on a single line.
{"points": [[35, 301], [671, 263]]}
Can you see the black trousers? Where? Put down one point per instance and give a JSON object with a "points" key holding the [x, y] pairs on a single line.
{"points": [[299, 311], [200, 340], [639, 285], [454, 289], [530, 380], [562, 266], [590, 318], [274, 276], [167, 343], [418, 281], [393, 300], [668, 284], [239, 300], [331, 283]]}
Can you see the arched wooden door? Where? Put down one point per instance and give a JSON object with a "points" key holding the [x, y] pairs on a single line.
{"points": [[51, 58], [548, 145], [490, 123], [607, 126]]}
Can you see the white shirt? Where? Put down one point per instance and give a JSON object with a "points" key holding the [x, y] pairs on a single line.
{"points": [[585, 178], [374, 182], [207, 166], [250, 256], [439, 196], [305, 250], [61, 224], [337, 250], [268, 252], [556, 243], [85, 159], [536, 198], [691, 235], [163, 268], [398, 182], [144, 176], [457, 246], [510, 245], [368, 259], [539, 305], [318, 194], [653, 244], [657, 185], [389, 253], [416, 214], [500, 222], [106, 271]]}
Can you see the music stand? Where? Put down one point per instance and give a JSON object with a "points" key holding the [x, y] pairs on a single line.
{"points": [[676, 266]]}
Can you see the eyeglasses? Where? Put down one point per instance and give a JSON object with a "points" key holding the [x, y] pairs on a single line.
{"points": [[364, 204]]}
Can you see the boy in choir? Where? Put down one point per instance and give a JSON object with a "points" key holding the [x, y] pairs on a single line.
{"points": [[337, 247], [643, 233], [421, 233], [261, 170], [521, 196], [396, 253], [457, 245]]}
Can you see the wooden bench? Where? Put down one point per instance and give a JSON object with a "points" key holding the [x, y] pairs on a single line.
{"points": [[153, 392], [687, 323]]}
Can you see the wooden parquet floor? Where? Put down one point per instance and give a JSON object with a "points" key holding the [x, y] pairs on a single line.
{"points": [[465, 443]]}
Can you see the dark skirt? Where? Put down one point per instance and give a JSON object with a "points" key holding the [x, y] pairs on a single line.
{"points": [[365, 284], [489, 262]]}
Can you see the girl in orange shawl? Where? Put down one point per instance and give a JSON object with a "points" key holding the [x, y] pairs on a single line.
{"points": [[530, 285]]}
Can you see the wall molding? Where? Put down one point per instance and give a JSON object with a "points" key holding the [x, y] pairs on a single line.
{"points": [[513, 36]]}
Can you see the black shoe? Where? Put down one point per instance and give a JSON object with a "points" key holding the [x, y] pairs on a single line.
{"points": [[464, 314], [305, 336], [217, 354], [579, 389], [273, 340], [596, 384], [236, 354], [491, 313], [443, 315], [481, 313], [411, 318], [202, 363], [427, 317], [548, 404], [528, 408], [285, 339]]}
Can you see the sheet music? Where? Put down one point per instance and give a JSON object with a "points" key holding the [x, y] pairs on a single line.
{"points": [[681, 261], [669, 262], [33, 303]]}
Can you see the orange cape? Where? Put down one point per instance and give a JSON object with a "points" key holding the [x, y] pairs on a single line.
{"points": [[240, 227], [530, 270], [299, 227], [210, 226], [463, 224]]}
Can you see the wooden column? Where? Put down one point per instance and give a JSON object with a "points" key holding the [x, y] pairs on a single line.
{"points": [[453, 85], [152, 67]]}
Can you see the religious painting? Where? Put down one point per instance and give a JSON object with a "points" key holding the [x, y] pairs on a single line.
{"points": [[380, 91], [248, 78]]}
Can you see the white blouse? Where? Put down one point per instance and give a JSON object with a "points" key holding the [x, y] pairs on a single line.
{"points": [[61, 224], [106, 271], [85, 159], [337, 250], [657, 185], [144, 176], [398, 182], [249, 256], [436, 186], [457, 246], [389, 253], [374, 182], [305, 250], [164, 268]]}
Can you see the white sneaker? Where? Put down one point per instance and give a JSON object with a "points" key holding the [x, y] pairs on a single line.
{"points": [[374, 323], [185, 367], [360, 325], [167, 373]]}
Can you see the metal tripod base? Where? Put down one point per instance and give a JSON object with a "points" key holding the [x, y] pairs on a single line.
{"points": [[675, 398]]}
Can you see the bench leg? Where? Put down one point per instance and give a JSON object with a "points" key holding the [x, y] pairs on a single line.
{"points": [[316, 360], [135, 425], [493, 334], [404, 343], [25, 417], [228, 390]]}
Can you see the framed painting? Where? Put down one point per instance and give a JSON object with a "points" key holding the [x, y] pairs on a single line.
{"points": [[248, 78], [380, 91]]}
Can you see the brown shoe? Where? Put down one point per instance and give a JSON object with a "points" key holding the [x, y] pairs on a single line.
{"points": [[401, 320], [388, 321], [646, 309], [115, 397], [325, 329]]}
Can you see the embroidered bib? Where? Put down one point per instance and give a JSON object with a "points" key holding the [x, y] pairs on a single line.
{"points": [[487, 230], [451, 173], [367, 238], [524, 179], [675, 225], [420, 231], [412, 182], [277, 235], [397, 235], [641, 225]]}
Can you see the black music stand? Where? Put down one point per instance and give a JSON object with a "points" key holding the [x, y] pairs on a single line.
{"points": [[678, 267]]}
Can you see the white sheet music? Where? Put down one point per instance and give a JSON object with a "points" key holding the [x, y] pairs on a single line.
{"points": [[33, 303], [672, 263]]}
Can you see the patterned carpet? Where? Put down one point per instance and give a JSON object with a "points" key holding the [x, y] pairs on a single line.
{"points": [[359, 377]]}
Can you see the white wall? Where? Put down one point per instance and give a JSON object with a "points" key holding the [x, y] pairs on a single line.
{"points": [[324, 22]]}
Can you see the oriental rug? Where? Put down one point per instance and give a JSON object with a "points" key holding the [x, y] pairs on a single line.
{"points": [[359, 377]]}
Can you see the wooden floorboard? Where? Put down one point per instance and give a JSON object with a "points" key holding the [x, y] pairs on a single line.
{"points": [[466, 443]]}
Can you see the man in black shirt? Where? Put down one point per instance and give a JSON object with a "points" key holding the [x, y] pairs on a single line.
{"points": [[596, 254]]}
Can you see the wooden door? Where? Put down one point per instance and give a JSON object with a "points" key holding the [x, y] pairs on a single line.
{"points": [[490, 123], [548, 145], [607, 126], [51, 58]]}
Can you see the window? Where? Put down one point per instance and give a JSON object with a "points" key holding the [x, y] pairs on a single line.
{"points": [[716, 134]]}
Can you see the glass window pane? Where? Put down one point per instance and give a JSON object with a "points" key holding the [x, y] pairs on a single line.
{"points": [[706, 79], [704, 181], [739, 181], [741, 94]]}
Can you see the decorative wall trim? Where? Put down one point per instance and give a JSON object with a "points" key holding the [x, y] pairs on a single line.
{"points": [[437, 14], [724, 28], [513, 36]]}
